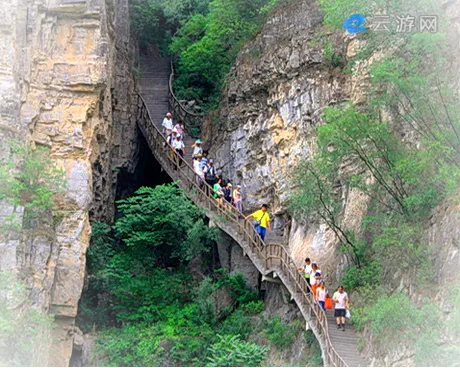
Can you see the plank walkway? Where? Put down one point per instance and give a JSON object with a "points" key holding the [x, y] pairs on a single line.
{"points": [[339, 348]]}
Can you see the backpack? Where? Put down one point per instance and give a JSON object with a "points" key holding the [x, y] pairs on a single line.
{"points": [[210, 173]]}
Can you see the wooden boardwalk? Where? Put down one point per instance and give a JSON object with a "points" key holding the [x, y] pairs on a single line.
{"points": [[339, 348]]}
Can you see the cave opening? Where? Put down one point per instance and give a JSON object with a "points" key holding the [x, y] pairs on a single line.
{"points": [[147, 173]]}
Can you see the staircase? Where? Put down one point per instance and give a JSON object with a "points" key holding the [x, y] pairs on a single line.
{"points": [[339, 348]]}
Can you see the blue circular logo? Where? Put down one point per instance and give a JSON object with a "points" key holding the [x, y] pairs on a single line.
{"points": [[354, 24]]}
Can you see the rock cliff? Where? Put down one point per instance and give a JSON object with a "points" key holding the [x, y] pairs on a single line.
{"points": [[66, 83], [277, 90]]}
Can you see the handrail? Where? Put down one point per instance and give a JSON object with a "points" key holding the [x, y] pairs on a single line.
{"points": [[191, 120], [201, 194]]}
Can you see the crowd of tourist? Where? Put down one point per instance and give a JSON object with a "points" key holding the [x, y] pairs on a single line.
{"points": [[225, 194], [202, 164], [317, 286]]}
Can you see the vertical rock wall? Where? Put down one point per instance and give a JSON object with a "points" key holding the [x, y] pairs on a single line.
{"points": [[66, 83], [279, 86]]}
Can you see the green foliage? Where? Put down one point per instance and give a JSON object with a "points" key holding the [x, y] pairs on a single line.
{"points": [[25, 332], [394, 320], [162, 223], [207, 44], [254, 307], [30, 179], [155, 21], [231, 351], [281, 334]]}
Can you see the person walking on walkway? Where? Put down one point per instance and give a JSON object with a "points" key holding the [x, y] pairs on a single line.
{"points": [[218, 193], [210, 173], [314, 278], [197, 149], [170, 140], [228, 193], [180, 129], [237, 198], [198, 170], [204, 161], [167, 124], [179, 148], [340, 298], [306, 270], [321, 294], [262, 221]]}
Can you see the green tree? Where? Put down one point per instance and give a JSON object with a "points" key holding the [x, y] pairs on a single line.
{"points": [[30, 179], [161, 223], [207, 44]]}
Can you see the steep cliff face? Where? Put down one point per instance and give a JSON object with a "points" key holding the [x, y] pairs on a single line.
{"points": [[277, 90], [66, 70], [279, 87]]}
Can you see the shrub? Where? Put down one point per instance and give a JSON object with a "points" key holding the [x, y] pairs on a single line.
{"points": [[30, 179], [161, 223], [254, 307], [281, 334], [231, 351]]}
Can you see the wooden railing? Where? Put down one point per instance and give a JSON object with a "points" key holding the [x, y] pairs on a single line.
{"points": [[192, 121], [274, 256]]}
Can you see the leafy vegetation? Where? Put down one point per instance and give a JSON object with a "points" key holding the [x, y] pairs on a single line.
{"points": [[30, 179], [160, 223], [406, 129], [281, 334], [25, 332], [231, 351], [207, 44], [151, 308], [204, 35]]}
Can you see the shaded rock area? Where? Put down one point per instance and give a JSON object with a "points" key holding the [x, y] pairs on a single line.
{"points": [[66, 83]]}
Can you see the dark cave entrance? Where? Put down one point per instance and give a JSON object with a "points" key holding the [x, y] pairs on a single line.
{"points": [[148, 172]]}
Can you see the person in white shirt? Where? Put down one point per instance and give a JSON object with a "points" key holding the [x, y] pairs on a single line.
{"points": [[198, 169], [179, 148], [237, 198], [341, 301], [167, 124], [197, 149], [306, 270]]}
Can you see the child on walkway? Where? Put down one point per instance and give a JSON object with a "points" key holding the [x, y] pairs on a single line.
{"points": [[321, 294]]}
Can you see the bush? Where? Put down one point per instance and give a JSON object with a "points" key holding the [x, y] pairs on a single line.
{"points": [[254, 307], [281, 334], [30, 179], [394, 320], [231, 351]]}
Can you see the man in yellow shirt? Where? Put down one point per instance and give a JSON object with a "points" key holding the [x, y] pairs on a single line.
{"points": [[263, 221]]}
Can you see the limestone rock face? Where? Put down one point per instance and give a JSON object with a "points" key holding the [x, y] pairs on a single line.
{"points": [[279, 87], [66, 82], [274, 99]]}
